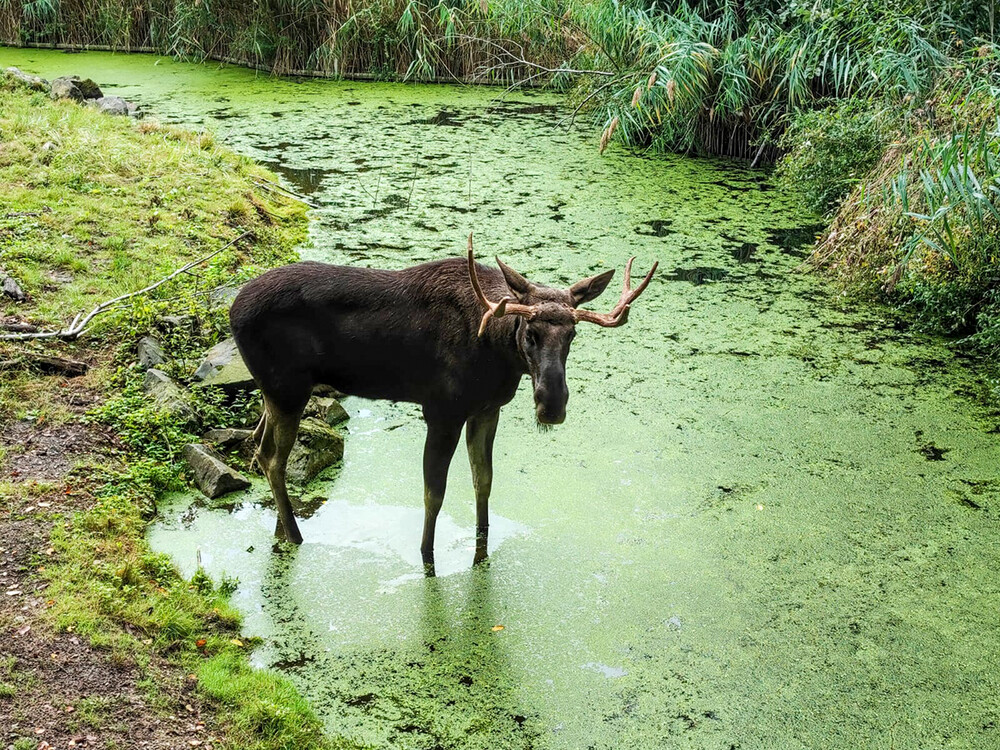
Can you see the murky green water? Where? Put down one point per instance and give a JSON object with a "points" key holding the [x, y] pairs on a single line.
{"points": [[767, 522]]}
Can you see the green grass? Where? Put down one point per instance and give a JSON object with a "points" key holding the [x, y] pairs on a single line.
{"points": [[103, 217], [92, 711], [13, 681], [93, 206]]}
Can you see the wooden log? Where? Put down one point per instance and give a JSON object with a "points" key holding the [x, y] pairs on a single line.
{"points": [[48, 364], [19, 327]]}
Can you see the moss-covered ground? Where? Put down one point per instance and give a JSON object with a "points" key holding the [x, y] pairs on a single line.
{"points": [[93, 207]]}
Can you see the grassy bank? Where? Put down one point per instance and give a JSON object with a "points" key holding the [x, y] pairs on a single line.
{"points": [[913, 199], [95, 206]]}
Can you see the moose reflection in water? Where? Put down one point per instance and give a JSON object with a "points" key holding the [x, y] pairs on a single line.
{"points": [[422, 335]]}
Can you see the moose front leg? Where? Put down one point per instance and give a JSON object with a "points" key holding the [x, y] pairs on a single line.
{"points": [[442, 439], [479, 433]]}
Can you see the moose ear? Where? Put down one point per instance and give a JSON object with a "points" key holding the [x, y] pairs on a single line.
{"points": [[588, 289], [517, 283]]}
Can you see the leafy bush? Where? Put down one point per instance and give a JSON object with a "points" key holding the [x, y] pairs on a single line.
{"points": [[922, 228], [831, 150]]}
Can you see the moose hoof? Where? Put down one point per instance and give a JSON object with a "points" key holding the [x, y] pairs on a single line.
{"points": [[293, 535], [428, 559], [482, 555]]}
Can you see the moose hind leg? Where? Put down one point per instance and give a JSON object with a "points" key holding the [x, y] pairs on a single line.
{"points": [[479, 433], [258, 440], [280, 429]]}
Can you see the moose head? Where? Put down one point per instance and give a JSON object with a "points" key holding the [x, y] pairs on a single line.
{"points": [[549, 317]]}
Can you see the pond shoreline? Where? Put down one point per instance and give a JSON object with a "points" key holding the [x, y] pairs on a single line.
{"points": [[104, 642], [292, 73], [792, 472]]}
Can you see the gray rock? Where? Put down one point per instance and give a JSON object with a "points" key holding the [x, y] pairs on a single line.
{"points": [[216, 358], [223, 367], [112, 105], [11, 288], [150, 353], [74, 87], [89, 89], [211, 474], [35, 83], [317, 447], [167, 396], [59, 277], [227, 438], [327, 390], [223, 296], [66, 87], [327, 409], [187, 323]]}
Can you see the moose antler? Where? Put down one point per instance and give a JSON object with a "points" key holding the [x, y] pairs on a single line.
{"points": [[505, 306], [619, 315]]}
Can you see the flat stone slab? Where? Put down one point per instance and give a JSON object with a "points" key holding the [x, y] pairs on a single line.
{"points": [[227, 437], [223, 367], [317, 447], [211, 473]]}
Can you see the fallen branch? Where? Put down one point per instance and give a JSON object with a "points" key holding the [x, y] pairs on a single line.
{"points": [[274, 187], [521, 60], [79, 325], [52, 365], [19, 327]]}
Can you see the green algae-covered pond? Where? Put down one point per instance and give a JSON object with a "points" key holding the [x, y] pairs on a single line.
{"points": [[768, 522]]}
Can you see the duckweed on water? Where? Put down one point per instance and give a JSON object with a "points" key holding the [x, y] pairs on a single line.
{"points": [[736, 540]]}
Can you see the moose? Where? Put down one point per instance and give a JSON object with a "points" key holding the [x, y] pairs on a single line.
{"points": [[451, 335]]}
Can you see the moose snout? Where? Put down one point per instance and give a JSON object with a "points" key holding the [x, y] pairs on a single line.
{"points": [[550, 402], [547, 417]]}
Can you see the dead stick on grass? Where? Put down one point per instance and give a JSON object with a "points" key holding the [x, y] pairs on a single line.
{"points": [[281, 190], [81, 321]]}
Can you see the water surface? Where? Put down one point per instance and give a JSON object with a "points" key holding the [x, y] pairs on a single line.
{"points": [[768, 522]]}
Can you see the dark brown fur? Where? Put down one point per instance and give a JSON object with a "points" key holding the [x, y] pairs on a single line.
{"points": [[407, 335]]}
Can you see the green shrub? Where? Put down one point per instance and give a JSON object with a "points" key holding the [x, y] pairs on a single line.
{"points": [[831, 150]]}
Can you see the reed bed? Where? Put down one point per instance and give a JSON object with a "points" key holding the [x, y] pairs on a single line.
{"points": [[719, 77], [922, 228], [387, 39]]}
